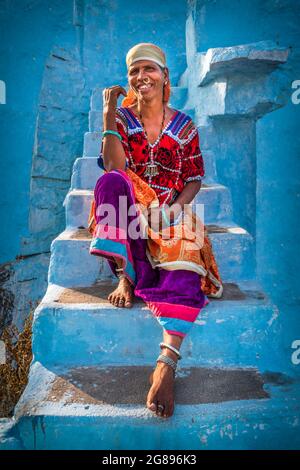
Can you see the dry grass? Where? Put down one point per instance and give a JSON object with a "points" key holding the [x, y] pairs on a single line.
{"points": [[14, 374]]}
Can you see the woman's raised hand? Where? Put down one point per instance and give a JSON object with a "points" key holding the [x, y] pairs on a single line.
{"points": [[110, 97]]}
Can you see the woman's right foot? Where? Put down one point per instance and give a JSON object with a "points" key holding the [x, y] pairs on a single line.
{"points": [[122, 296], [160, 399]]}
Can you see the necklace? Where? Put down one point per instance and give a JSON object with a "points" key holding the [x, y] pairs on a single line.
{"points": [[152, 168]]}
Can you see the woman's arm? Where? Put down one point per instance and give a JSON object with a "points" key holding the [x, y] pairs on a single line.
{"points": [[185, 197], [155, 218], [114, 157]]}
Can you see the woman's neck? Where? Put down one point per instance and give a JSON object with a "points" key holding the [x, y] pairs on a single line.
{"points": [[150, 109]]}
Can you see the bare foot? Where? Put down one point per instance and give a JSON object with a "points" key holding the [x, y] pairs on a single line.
{"points": [[161, 391], [122, 296]]}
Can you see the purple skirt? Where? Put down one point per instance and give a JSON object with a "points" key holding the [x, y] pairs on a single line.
{"points": [[174, 297]]}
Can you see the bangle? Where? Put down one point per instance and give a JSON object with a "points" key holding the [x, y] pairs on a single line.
{"points": [[112, 133], [172, 348], [167, 360], [164, 215]]}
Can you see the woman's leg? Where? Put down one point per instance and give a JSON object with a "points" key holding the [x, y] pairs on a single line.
{"points": [[175, 300], [162, 380], [174, 297], [113, 197]]}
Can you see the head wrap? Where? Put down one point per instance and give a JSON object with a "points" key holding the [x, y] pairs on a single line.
{"points": [[145, 51]]}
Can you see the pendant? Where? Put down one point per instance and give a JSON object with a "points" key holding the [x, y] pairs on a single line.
{"points": [[151, 170]]}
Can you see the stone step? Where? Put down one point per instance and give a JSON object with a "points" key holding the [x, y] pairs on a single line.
{"points": [[210, 168], [8, 439], [78, 326], [96, 408], [96, 102], [95, 121], [254, 59], [91, 144], [72, 265], [86, 171], [216, 201]]}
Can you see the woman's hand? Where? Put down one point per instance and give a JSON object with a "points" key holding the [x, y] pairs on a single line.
{"points": [[156, 220], [110, 97]]}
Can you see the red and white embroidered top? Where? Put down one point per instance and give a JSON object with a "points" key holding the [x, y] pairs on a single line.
{"points": [[177, 154]]}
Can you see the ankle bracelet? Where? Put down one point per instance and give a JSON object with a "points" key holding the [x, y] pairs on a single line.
{"points": [[120, 273], [168, 346], [121, 276], [167, 360]]}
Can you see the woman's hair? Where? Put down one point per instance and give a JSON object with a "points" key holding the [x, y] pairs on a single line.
{"points": [[131, 98]]}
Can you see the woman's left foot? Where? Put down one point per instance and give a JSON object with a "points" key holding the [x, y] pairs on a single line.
{"points": [[161, 393]]}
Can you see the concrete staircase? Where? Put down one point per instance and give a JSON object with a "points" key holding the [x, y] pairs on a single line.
{"points": [[89, 377]]}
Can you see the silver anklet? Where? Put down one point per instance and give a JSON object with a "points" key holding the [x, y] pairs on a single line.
{"points": [[120, 273], [167, 360], [121, 276], [165, 345]]}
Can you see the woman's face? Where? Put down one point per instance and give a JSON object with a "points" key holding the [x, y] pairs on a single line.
{"points": [[146, 79]]}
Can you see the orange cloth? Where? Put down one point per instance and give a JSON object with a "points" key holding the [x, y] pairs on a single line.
{"points": [[185, 245]]}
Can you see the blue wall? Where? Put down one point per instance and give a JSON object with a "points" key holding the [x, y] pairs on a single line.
{"points": [[28, 31], [53, 54]]}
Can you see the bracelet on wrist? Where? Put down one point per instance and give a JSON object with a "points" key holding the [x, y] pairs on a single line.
{"points": [[164, 215], [110, 132]]}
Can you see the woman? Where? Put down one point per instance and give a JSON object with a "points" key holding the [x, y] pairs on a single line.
{"points": [[151, 157]]}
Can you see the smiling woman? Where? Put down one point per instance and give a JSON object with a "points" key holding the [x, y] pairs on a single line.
{"points": [[151, 157]]}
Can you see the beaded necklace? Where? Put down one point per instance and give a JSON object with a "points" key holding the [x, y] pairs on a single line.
{"points": [[152, 168]]}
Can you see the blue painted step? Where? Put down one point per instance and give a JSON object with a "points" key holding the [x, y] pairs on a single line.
{"points": [[233, 248], [80, 327], [92, 144], [63, 409]]}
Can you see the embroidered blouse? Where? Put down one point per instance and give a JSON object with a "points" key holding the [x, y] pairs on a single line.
{"points": [[177, 154]]}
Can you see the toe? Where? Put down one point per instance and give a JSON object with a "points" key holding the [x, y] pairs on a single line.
{"points": [[170, 409], [167, 411], [128, 304], [128, 300], [151, 404]]}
